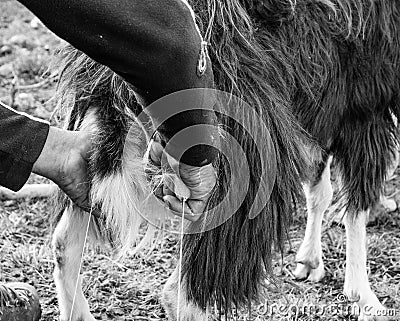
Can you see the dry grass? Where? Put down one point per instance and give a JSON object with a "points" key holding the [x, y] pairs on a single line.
{"points": [[130, 289]]}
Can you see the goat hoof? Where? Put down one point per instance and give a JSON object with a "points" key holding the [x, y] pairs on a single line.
{"points": [[306, 272]]}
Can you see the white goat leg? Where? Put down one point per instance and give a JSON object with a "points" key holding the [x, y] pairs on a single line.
{"points": [[68, 241], [309, 257], [356, 285], [188, 311]]}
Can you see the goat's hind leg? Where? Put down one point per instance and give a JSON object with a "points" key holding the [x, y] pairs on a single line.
{"points": [[68, 243], [319, 195], [356, 285]]}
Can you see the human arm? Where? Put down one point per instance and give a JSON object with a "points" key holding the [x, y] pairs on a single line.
{"points": [[28, 144], [21, 142], [153, 44]]}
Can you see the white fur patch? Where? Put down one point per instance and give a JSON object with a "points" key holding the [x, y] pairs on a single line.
{"points": [[121, 194], [188, 311], [309, 255], [356, 285], [68, 243]]}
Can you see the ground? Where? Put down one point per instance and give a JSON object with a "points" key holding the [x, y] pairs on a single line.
{"points": [[130, 289]]}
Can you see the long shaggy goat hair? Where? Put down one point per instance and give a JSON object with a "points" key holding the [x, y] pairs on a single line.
{"points": [[322, 73]]}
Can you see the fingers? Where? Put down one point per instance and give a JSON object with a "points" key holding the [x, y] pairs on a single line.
{"points": [[193, 184], [180, 189], [196, 206], [200, 180], [175, 206], [174, 186]]}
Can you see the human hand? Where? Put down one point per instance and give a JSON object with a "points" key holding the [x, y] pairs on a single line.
{"points": [[181, 181], [64, 161]]}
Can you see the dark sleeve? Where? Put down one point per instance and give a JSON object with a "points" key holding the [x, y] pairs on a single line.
{"points": [[153, 44], [21, 142]]}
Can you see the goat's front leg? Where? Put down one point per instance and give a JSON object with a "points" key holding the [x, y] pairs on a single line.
{"points": [[188, 311], [68, 243], [356, 285], [319, 196]]}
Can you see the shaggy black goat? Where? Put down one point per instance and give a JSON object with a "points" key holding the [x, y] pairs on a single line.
{"points": [[324, 76]]}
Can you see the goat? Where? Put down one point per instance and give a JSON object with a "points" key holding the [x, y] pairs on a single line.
{"points": [[323, 75]]}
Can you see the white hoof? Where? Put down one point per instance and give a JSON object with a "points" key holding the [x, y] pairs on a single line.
{"points": [[368, 305], [389, 204], [305, 271], [316, 275], [376, 313]]}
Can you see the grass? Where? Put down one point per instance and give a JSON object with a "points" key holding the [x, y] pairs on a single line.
{"points": [[130, 289]]}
